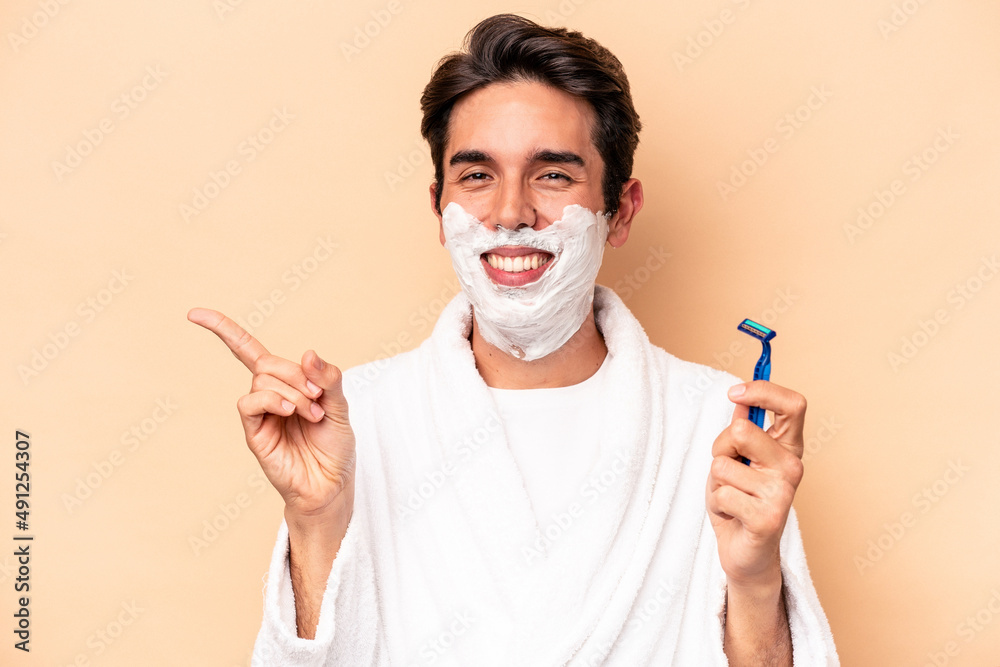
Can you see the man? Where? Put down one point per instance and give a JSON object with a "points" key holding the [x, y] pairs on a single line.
{"points": [[528, 487]]}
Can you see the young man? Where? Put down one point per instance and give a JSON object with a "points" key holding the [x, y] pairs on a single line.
{"points": [[530, 486]]}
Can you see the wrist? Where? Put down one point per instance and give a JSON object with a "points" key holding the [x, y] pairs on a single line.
{"points": [[331, 518], [762, 589]]}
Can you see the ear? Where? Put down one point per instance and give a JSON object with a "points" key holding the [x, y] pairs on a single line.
{"points": [[434, 208], [629, 205]]}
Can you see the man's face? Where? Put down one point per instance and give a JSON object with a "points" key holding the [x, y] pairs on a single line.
{"points": [[517, 154]]}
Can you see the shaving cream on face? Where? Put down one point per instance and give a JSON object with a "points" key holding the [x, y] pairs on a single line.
{"points": [[534, 320]]}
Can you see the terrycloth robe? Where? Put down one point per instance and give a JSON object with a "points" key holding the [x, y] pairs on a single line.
{"points": [[445, 563]]}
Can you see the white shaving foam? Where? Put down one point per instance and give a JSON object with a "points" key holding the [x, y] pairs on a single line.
{"points": [[534, 320]]}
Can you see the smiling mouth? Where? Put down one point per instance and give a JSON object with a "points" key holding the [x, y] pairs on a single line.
{"points": [[515, 266]]}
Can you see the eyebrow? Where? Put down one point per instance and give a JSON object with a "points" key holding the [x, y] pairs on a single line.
{"points": [[541, 155], [468, 157], [557, 157]]}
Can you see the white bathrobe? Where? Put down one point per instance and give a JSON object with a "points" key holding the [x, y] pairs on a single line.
{"points": [[444, 562]]}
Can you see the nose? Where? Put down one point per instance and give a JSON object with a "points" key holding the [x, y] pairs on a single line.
{"points": [[512, 209]]}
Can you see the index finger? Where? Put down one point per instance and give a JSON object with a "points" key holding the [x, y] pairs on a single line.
{"points": [[245, 347], [789, 407], [770, 396]]}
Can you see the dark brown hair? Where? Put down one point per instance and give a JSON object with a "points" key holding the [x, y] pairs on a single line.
{"points": [[506, 48]]}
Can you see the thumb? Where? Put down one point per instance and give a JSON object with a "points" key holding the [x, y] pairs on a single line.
{"points": [[328, 378]]}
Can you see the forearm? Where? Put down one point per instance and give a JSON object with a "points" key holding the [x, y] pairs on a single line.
{"points": [[313, 545], [757, 630]]}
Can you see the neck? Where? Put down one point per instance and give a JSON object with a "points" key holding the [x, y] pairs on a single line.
{"points": [[578, 359]]}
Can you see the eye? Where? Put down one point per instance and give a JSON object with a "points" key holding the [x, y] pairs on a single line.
{"points": [[476, 176], [555, 176]]}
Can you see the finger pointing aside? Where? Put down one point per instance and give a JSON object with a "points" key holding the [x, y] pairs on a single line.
{"points": [[244, 347]]}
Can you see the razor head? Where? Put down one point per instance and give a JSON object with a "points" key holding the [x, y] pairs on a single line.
{"points": [[758, 331]]}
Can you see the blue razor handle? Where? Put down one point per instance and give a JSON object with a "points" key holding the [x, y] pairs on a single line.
{"points": [[762, 371]]}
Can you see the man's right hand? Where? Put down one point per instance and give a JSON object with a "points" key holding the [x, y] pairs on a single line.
{"points": [[295, 420]]}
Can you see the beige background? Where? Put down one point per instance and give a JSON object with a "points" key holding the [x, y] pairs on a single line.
{"points": [[899, 573]]}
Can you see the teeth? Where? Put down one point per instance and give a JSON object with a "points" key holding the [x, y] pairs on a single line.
{"points": [[517, 264]]}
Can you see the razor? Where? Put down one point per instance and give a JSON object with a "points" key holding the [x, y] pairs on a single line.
{"points": [[762, 371]]}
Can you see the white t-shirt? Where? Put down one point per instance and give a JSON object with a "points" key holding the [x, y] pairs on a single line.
{"points": [[554, 436]]}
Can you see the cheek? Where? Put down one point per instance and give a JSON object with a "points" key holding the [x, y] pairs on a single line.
{"points": [[551, 203], [477, 204]]}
